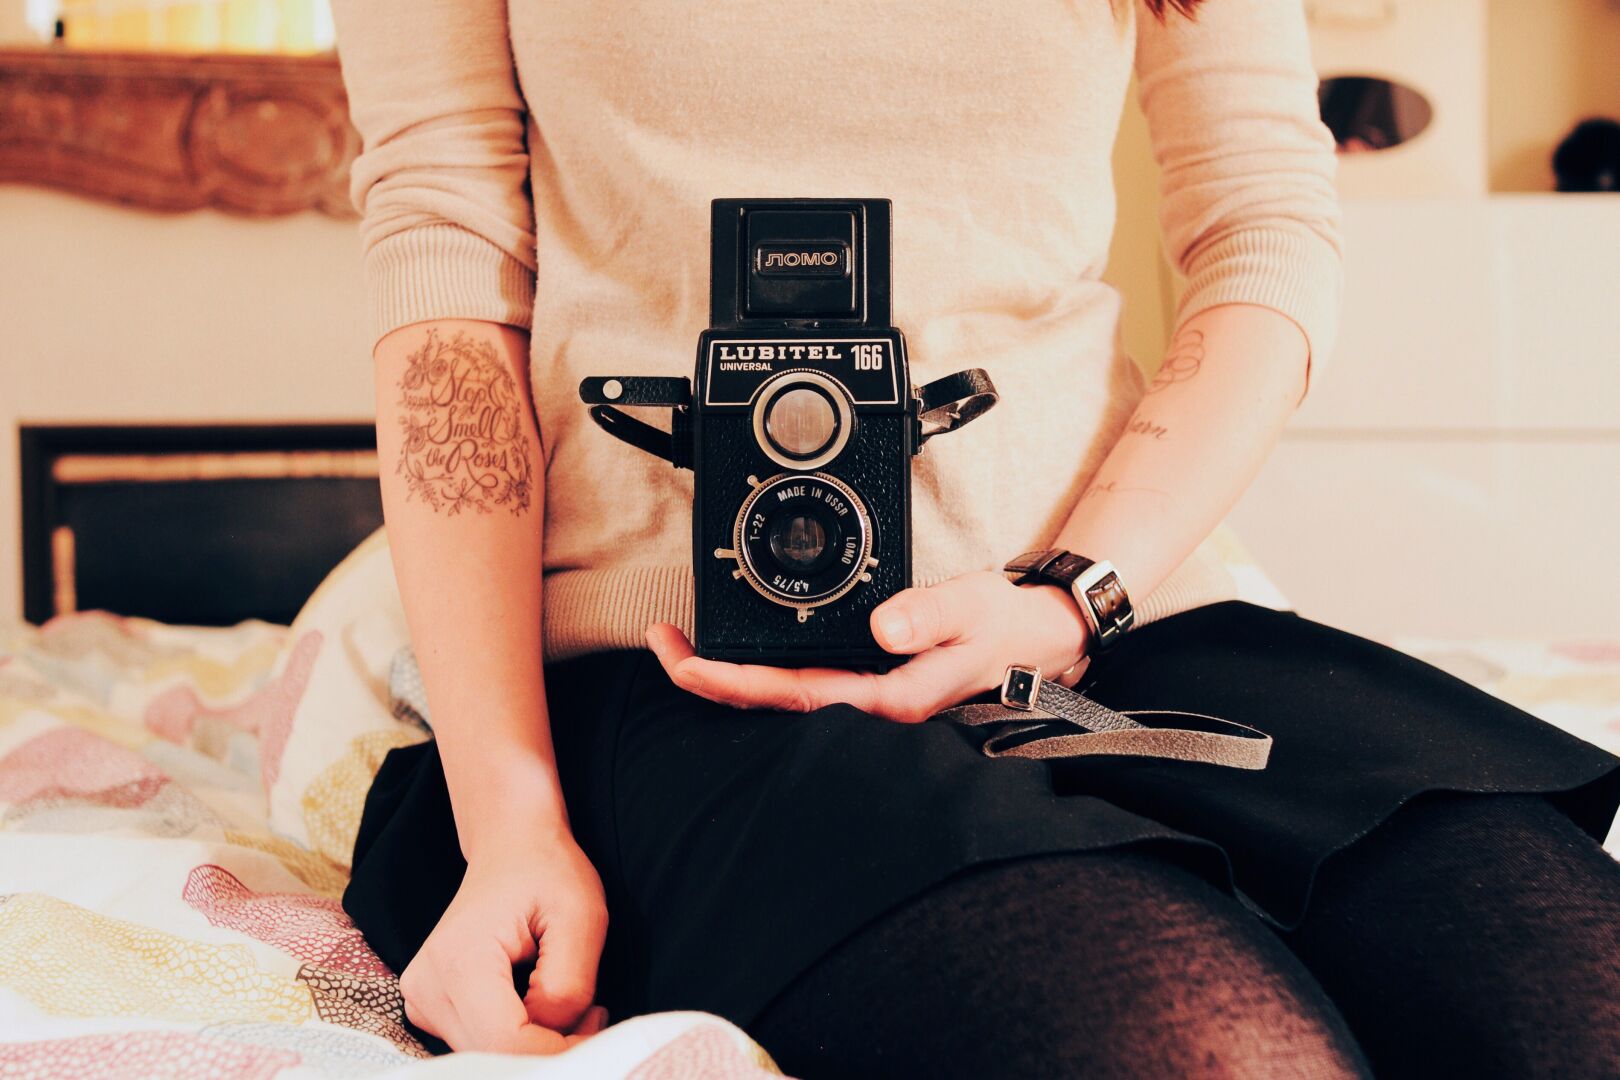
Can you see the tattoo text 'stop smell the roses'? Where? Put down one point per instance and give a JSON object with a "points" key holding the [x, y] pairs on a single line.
{"points": [[464, 445]]}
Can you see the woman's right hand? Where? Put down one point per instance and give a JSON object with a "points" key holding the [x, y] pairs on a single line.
{"points": [[528, 899]]}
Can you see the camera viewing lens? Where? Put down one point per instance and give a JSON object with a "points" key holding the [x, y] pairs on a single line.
{"points": [[801, 422], [802, 419], [797, 541]]}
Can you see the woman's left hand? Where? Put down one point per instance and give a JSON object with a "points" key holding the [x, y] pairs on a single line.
{"points": [[960, 634]]}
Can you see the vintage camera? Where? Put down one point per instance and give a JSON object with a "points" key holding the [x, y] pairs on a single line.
{"points": [[800, 429]]}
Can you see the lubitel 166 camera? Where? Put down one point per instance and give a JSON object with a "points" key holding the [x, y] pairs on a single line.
{"points": [[799, 429]]}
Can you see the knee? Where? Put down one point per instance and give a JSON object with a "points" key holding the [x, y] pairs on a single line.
{"points": [[1199, 987]]}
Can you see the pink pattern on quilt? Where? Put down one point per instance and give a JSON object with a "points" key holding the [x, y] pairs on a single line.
{"points": [[268, 713], [349, 985], [178, 1055], [709, 1051], [1589, 652], [313, 929], [71, 763]]}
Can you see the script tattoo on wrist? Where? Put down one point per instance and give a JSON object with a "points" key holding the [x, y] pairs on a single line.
{"points": [[1143, 426], [1185, 358], [465, 446]]}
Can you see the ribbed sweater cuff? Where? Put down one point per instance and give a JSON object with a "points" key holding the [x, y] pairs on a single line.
{"points": [[443, 271], [1297, 274]]}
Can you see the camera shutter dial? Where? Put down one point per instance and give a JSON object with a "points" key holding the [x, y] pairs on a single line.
{"points": [[802, 419]]}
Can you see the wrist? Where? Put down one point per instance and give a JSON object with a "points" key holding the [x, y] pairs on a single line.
{"points": [[509, 806], [1069, 631]]}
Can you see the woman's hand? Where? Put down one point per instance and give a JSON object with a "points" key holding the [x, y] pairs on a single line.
{"points": [[535, 899], [960, 635]]}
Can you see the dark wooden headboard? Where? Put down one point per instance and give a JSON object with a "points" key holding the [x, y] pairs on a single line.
{"points": [[195, 525]]}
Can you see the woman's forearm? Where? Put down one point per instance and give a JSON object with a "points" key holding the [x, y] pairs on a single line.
{"points": [[462, 485], [1231, 379]]}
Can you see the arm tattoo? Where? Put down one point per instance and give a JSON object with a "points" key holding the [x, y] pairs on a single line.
{"points": [[465, 443], [1185, 358], [1143, 426], [1111, 487]]}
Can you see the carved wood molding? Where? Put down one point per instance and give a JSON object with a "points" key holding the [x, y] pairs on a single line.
{"points": [[259, 135]]}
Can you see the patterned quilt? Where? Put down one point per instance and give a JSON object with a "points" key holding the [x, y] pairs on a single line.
{"points": [[154, 923], [165, 912]]}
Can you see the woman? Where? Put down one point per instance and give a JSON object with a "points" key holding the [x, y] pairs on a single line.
{"points": [[1412, 885]]}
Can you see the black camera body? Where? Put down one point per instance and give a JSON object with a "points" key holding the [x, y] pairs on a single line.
{"points": [[800, 427]]}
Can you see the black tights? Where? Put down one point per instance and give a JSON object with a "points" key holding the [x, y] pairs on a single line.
{"points": [[1467, 936]]}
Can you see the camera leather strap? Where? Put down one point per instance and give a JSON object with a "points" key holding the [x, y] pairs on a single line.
{"points": [[1045, 720], [636, 390], [948, 403]]}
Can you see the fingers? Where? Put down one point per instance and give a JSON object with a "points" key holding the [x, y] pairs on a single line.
{"points": [[924, 685], [914, 620], [471, 1005], [593, 1022], [563, 982], [755, 685], [942, 629]]}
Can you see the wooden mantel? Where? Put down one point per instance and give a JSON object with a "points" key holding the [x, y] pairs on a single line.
{"points": [[257, 135]]}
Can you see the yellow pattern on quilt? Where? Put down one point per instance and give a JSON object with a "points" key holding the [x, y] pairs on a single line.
{"points": [[333, 802], [69, 960], [318, 873], [214, 679]]}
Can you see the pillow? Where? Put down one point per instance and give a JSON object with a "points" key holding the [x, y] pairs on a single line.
{"points": [[319, 763]]}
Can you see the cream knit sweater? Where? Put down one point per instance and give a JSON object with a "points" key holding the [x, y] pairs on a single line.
{"points": [[550, 165]]}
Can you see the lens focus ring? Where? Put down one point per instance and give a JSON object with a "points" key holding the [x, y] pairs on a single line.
{"points": [[803, 539]]}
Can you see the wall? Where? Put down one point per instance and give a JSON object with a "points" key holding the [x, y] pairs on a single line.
{"points": [[1552, 63], [1136, 264], [115, 315]]}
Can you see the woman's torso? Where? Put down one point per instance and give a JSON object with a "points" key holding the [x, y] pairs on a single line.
{"points": [[991, 129]]}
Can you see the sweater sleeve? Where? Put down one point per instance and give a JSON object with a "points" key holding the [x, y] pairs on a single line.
{"points": [[441, 182], [1248, 205]]}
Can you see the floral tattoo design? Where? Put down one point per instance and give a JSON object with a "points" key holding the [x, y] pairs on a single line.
{"points": [[465, 445], [1185, 358]]}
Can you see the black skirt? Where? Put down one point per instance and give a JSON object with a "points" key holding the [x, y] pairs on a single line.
{"points": [[739, 847]]}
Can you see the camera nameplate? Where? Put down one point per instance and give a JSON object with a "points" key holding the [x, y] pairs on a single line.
{"points": [[737, 367]]}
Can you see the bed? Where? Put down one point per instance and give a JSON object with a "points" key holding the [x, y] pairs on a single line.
{"points": [[176, 809]]}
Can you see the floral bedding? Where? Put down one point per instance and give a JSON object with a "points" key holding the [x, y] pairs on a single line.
{"points": [[154, 923]]}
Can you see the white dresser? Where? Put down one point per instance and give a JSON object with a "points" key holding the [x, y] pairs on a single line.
{"points": [[1455, 471]]}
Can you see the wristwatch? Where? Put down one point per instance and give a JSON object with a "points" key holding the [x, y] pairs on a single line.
{"points": [[1094, 584]]}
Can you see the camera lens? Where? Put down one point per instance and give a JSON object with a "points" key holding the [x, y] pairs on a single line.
{"points": [[803, 539], [797, 541], [802, 419], [801, 422]]}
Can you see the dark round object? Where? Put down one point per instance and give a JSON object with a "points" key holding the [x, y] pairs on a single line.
{"points": [[803, 539], [1589, 158], [800, 422], [798, 540]]}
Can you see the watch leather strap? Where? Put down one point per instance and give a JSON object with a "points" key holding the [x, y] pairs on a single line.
{"points": [[1045, 721], [1049, 567], [1094, 584]]}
